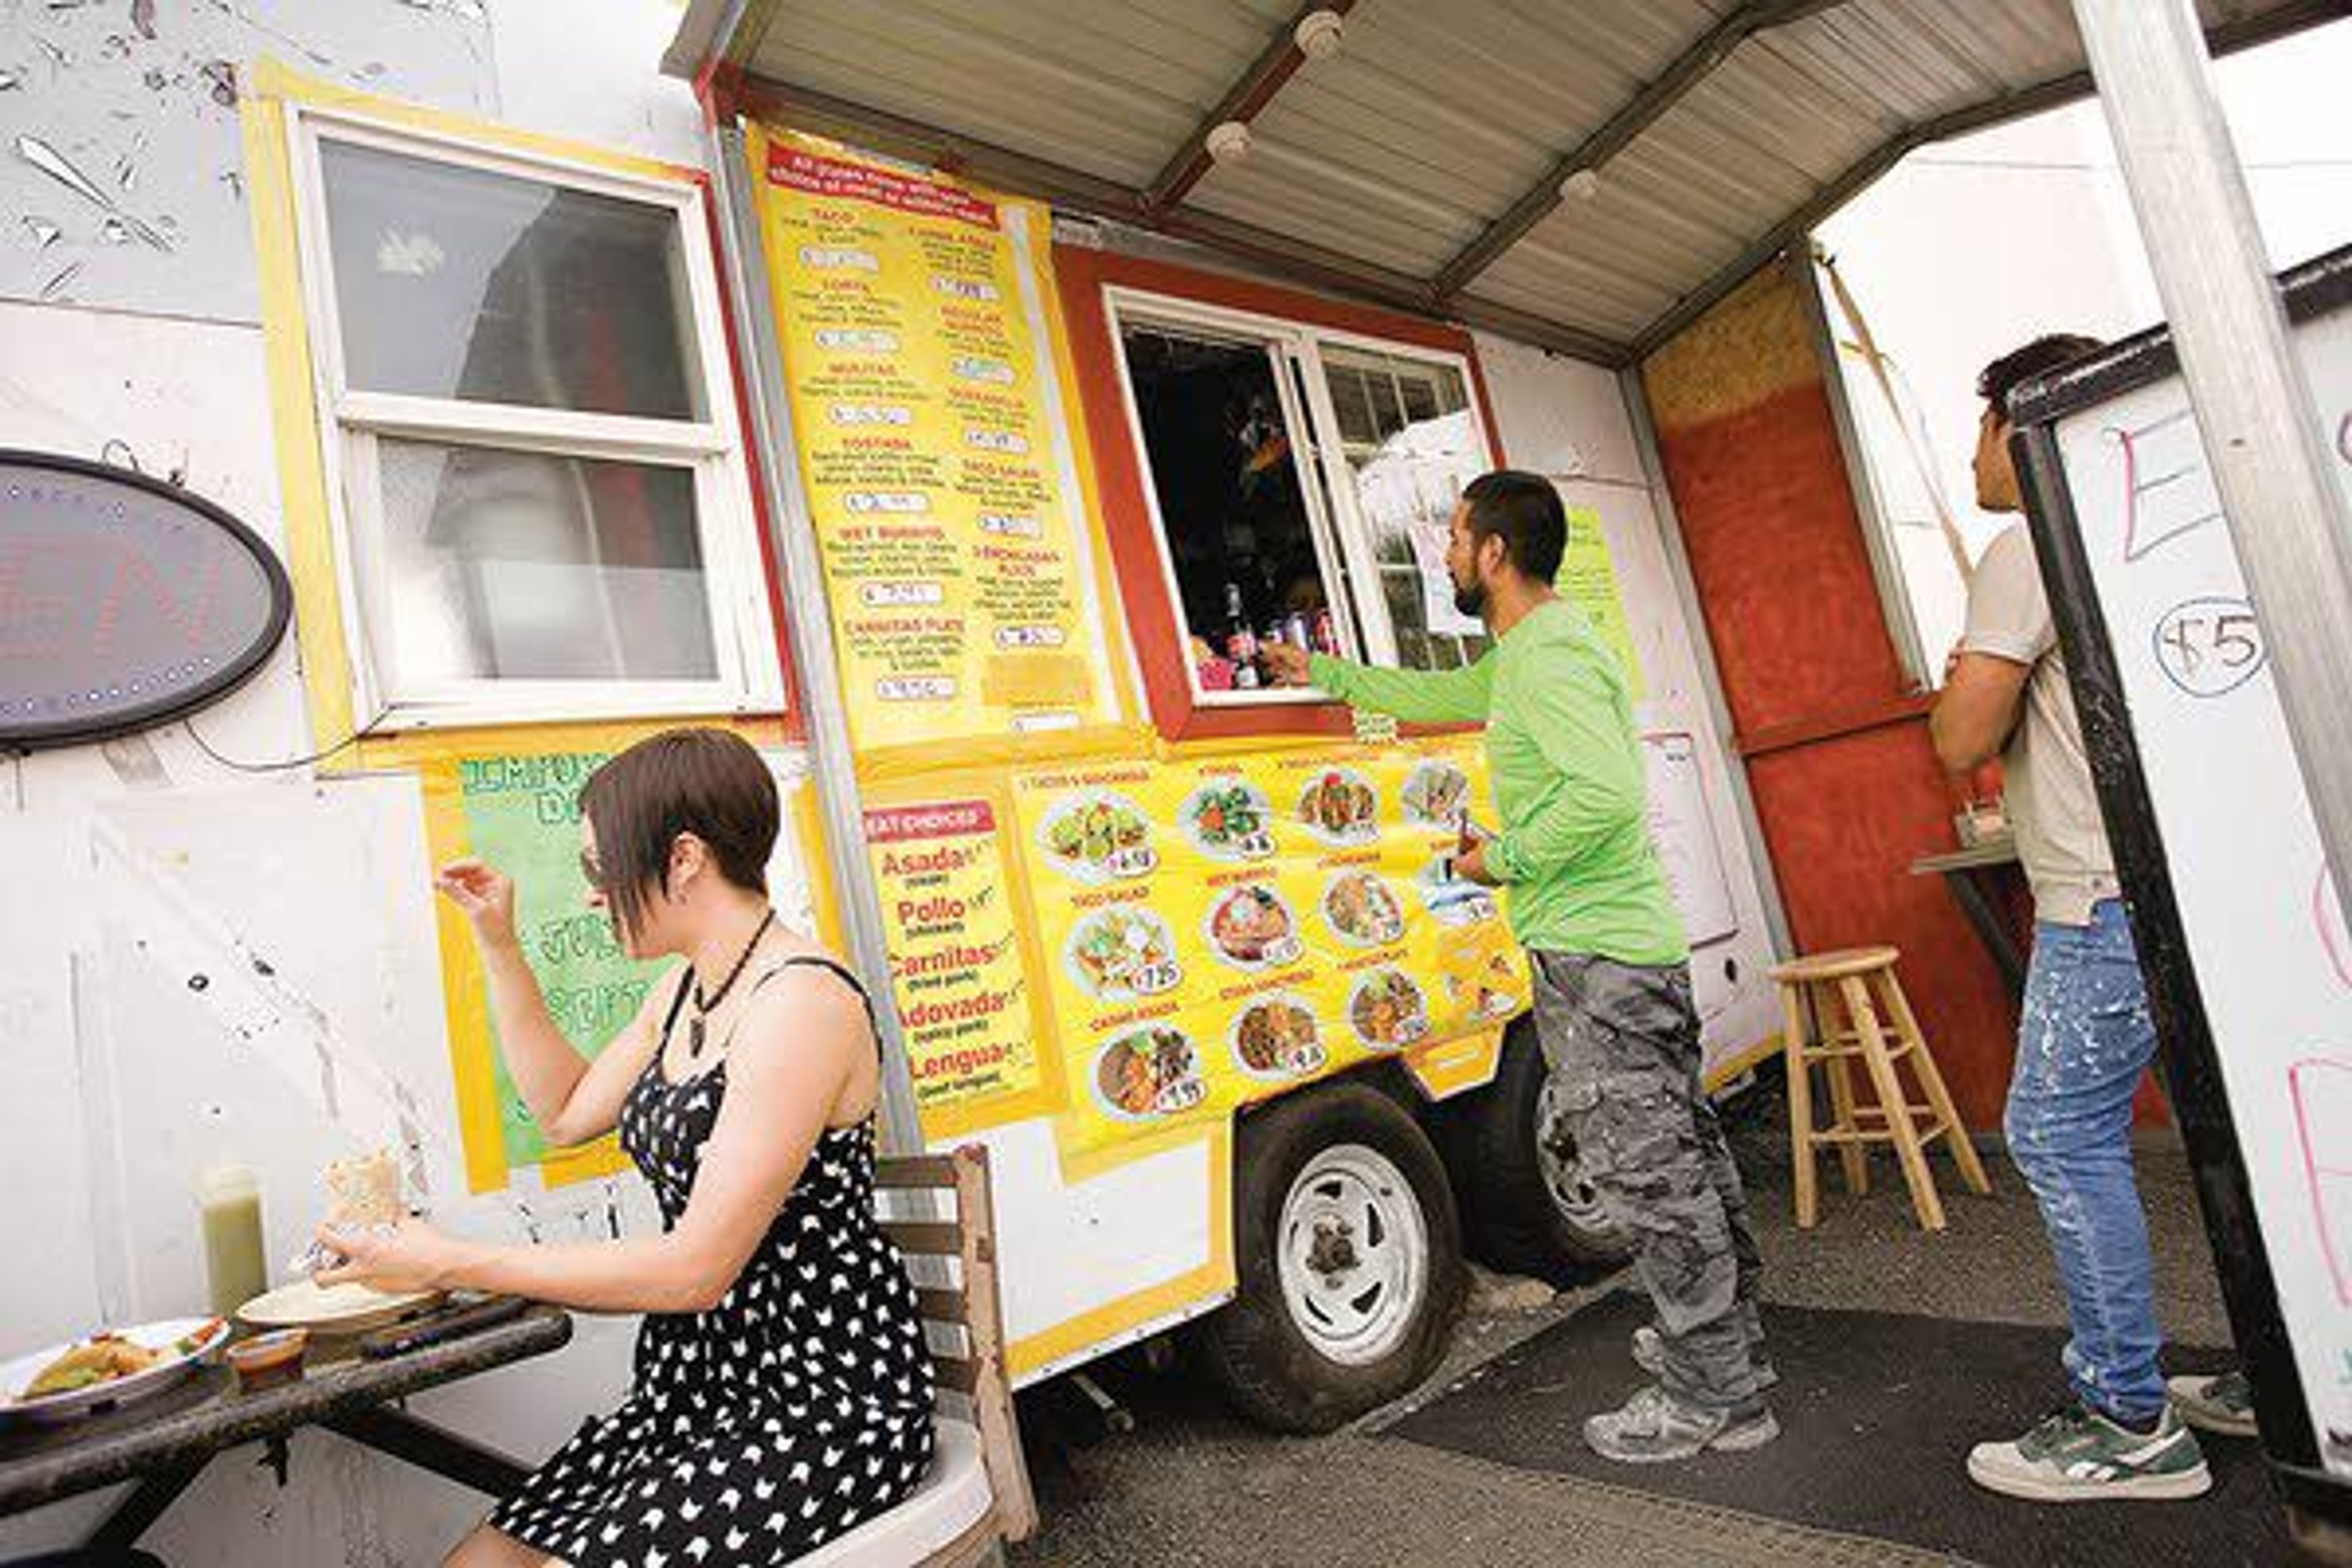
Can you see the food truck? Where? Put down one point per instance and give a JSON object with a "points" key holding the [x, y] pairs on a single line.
{"points": [[937, 406]]}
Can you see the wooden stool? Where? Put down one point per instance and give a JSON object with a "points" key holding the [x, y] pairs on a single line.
{"points": [[1858, 983]]}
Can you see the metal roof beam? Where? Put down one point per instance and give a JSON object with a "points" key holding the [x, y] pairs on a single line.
{"points": [[1243, 101], [1021, 174], [1683, 73], [2226, 38]]}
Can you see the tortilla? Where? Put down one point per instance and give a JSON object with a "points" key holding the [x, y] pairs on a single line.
{"points": [[364, 1190]]}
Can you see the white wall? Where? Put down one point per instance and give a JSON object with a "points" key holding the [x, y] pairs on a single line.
{"points": [[147, 118], [121, 1083], [1568, 421]]}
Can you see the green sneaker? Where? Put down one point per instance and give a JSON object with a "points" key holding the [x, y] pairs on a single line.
{"points": [[2080, 1456], [2223, 1406]]}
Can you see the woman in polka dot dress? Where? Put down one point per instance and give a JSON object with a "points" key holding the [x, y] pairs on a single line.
{"points": [[783, 1394]]}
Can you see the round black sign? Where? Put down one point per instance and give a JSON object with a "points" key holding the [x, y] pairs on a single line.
{"points": [[123, 600]]}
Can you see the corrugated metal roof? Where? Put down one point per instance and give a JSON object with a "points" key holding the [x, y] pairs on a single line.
{"points": [[1423, 154]]}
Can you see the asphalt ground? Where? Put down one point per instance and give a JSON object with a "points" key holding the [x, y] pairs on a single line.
{"points": [[1190, 1485]]}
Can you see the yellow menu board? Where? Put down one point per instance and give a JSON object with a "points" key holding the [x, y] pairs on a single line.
{"points": [[919, 347], [956, 967], [1216, 929]]}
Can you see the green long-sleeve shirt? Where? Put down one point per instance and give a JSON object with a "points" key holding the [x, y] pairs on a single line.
{"points": [[1574, 855]]}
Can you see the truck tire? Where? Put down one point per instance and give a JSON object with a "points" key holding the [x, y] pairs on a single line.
{"points": [[1348, 1256], [1524, 1204]]}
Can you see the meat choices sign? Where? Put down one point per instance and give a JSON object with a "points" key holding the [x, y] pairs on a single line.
{"points": [[124, 601]]}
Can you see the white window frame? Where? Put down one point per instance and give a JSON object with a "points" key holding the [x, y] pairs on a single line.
{"points": [[749, 676], [1341, 474], [1336, 517]]}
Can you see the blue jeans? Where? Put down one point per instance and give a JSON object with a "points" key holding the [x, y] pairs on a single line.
{"points": [[2086, 1039]]}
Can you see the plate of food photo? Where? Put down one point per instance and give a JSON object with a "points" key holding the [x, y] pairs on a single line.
{"points": [[1252, 928], [1123, 953], [1340, 806], [1229, 819], [1278, 1038], [1434, 792], [1362, 911], [1098, 836], [1388, 1011], [1151, 1072]]}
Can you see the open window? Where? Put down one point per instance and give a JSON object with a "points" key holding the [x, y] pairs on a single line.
{"points": [[538, 489], [1298, 481]]}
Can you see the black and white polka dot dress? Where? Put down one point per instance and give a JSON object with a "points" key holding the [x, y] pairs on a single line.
{"points": [[793, 1411]]}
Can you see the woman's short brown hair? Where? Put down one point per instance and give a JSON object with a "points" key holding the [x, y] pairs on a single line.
{"points": [[708, 783]]}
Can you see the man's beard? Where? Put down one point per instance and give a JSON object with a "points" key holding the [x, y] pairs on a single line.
{"points": [[1470, 599]]}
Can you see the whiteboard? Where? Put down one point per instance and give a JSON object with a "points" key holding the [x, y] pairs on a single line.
{"points": [[2261, 923], [1682, 829]]}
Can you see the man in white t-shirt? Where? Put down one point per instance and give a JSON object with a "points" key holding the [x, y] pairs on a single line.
{"points": [[2086, 1038]]}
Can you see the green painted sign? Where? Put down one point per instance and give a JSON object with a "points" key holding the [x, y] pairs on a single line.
{"points": [[522, 815]]}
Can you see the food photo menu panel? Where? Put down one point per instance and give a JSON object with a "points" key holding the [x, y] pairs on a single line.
{"points": [[1216, 927]]}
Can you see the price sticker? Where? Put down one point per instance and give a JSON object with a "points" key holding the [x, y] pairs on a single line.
{"points": [[915, 689], [1132, 863], [880, 595], [832, 258], [1152, 979], [966, 288], [896, 502], [994, 371]]}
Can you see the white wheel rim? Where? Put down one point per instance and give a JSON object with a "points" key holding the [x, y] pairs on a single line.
{"points": [[1573, 1192], [1353, 1254]]}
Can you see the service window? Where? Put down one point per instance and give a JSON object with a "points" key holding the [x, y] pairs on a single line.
{"points": [[1300, 483], [542, 501]]}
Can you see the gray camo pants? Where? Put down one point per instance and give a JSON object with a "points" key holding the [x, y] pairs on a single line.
{"points": [[1621, 1041]]}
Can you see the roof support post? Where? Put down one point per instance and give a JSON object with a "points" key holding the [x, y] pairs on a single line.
{"points": [[2252, 402]]}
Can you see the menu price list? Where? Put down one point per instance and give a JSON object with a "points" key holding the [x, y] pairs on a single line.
{"points": [[952, 553], [956, 970]]}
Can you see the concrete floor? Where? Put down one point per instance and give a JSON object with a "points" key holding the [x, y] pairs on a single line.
{"points": [[1192, 1486]]}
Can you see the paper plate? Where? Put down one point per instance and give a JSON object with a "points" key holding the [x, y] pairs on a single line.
{"points": [[78, 1402], [344, 1308]]}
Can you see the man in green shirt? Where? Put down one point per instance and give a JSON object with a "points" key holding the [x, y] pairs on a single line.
{"points": [[1613, 1009]]}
